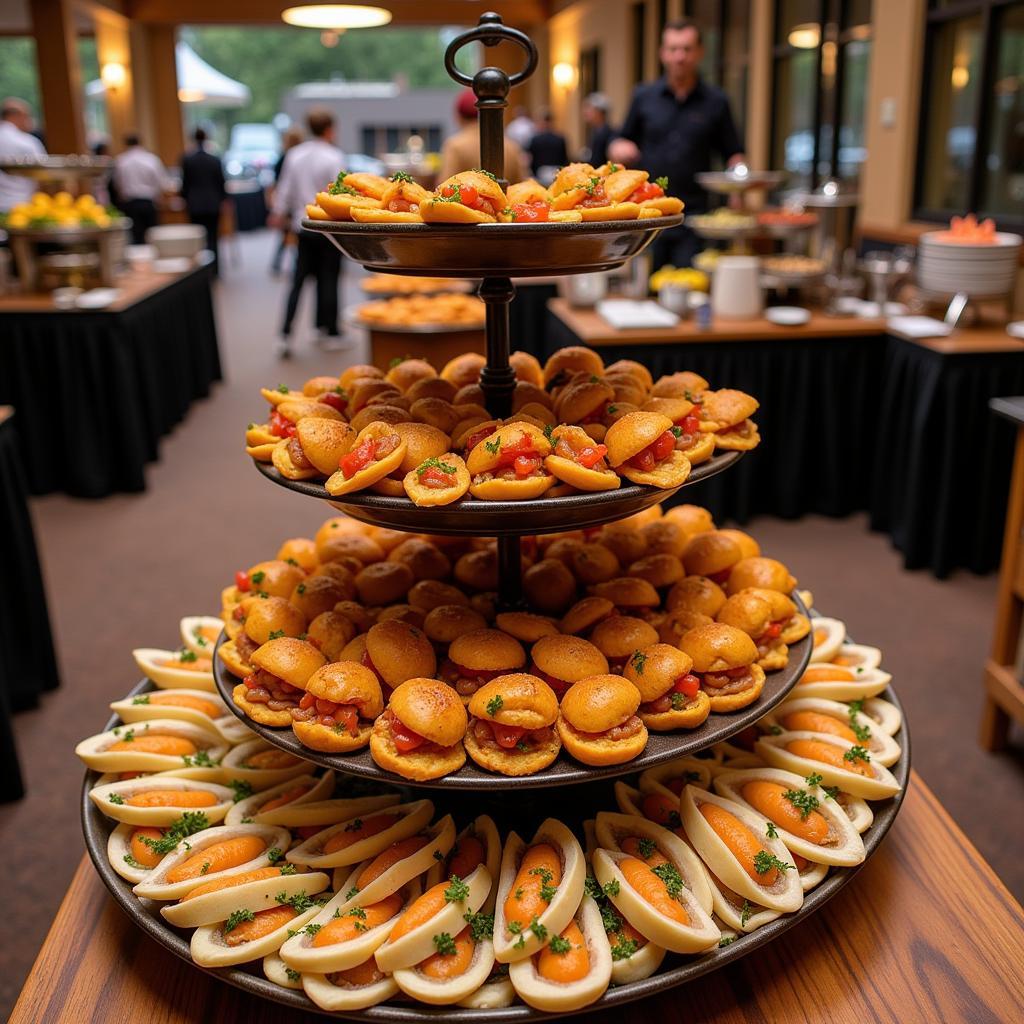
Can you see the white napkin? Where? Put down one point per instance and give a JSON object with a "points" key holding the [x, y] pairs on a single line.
{"points": [[919, 327], [630, 313]]}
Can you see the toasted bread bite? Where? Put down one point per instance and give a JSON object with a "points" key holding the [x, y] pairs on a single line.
{"points": [[422, 442], [792, 625], [561, 661], [766, 573], [750, 612], [598, 724], [726, 414], [447, 622], [671, 697], [620, 636], [282, 667], [642, 447], [420, 734], [526, 627], [509, 464], [585, 614], [378, 451], [511, 725], [396, 651], [471, 197], [725, 660], [712, 554], [338, 708], [477, 657], [578, 460]]}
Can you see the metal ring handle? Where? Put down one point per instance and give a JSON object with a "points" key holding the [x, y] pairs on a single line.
{"points": [[491, 31]]}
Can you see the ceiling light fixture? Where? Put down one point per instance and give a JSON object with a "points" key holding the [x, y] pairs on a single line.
{"points": [[805, 37], [337, 17]]}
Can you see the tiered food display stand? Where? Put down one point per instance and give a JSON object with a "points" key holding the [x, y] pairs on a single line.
{"points": [[497, 253]]}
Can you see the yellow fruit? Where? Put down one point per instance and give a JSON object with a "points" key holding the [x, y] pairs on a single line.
{"points": [[64, 199], [17, 220]]}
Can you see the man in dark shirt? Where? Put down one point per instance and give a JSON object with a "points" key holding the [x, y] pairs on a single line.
{"points": [[202, 188], [673, 128], [596, 110], [547, 149]]}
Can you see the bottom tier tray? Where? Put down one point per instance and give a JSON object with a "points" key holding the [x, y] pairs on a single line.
{"points": [[523, 815]]}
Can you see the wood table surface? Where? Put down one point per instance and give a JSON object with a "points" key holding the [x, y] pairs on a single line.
{"points": [[594, 330], [926, 933]]}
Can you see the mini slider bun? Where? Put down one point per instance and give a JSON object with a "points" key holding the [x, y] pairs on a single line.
{"points": [[720, 650], [563, 363], [655, 671], [433, 710], [399, 651], [526, 627], [565, 660], [504, 716], [598, 723], [631, 434], [767, 573], [343, 683], [553, 846]]}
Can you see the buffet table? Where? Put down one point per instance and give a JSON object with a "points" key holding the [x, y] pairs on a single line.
{"points": [[95, 391], [852, 418], [900, 944]]}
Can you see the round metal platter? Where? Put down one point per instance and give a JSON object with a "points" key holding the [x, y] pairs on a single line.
{"points": [[493, 250], [564, 771], [677, 970], [355, 320], [473, 517]]}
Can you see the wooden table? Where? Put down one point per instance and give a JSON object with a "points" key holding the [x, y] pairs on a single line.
{"points": [[927, 933], [1004, 692]]}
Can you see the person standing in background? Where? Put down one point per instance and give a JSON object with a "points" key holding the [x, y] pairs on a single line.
{"points": [[139, 181], [202, 188], [16, 143], [461, 151], [291, 139], [547, 149], [309, 168], [673, 127], [521, 128], [596, 111]]}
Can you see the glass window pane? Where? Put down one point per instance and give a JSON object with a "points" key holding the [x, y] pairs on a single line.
{"points": [[18, 70], [793, 135], [949, 108], [735, 44], [705, 13], [856, 61], [1003, 175]]}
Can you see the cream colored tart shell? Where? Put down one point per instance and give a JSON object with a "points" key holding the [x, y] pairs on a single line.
{"points": [[413, 982], [560, 997], [867, 657], [812, 875], [94, 750], [829, 647], [441, 836], [300, 954], [417, 945], [276, 970], [259, 778], [188, 626], [492, 995], [319, 789], [883, 715], [628, 799], [785, 896], [118, 847], [857, 810], [257, 895], [884, 749], [866, 684], [411, 818], [336, 997], [642, 964], [566, 899], [699, 935], [158, 816], [611, 828], [848, 849], [155, 885], [327, 812], [882, 786], [486, 831], [732, 915], [655, 780], [167, 677], [128, 711], [209, 949]]}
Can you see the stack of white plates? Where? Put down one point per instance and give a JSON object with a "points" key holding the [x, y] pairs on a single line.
{"points": [[977, 269]]}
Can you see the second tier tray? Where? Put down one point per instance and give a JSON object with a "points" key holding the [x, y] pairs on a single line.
{"points": [[473, 517], [660, 747]]}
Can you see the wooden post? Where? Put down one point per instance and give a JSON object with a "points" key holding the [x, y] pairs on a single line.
{"points": [[759, 85], [158, 111], [60, 78], [113, 46]]}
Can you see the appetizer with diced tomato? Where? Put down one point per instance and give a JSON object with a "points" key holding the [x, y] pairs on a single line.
{"points": [[726, 414], [508, 465], [348, 191], [338, 709], [579, 187], [281, 669], [725, 660], [399, 204], [671, 697], [439, 480], [377, 452], [579, 460], [471, 197], [642, 447]]}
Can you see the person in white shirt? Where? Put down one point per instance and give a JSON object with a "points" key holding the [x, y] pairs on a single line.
{"points": [[139, 181], [16, 142], [521, 128], [309, 168]]}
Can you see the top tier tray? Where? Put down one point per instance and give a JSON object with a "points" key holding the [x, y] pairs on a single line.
{"points": [[471, 517]]}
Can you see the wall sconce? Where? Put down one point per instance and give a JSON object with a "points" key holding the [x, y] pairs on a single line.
{"points": [[113, 75], [564, 75], [959, 77], [804, 37]]}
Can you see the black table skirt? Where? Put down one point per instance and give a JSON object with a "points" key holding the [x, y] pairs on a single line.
{"points": [[95, 392], [942, 470], [871, 423], [250, 210], [528, 317]]}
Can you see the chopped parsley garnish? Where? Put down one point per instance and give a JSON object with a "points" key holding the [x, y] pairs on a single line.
{"points": [[765, 861], [559, 945], [354, 825], [776, 730], [547, 892], [401, 176], [624, 949], [133, 863], [338, 186], [204, 868], [276, 634], [855, 754], [611, 888], [662, 183], [493, 446], [200, 759], [594, 379], [128, 736], [301, 588], [300, 902], [518, 894], [275, 855], [291, 561], [457, 890], [814, 779], [609, 919], [548, 427], [455, 197], [638, 661], [523, 747], [354, 891], [481, 926], [435, 463], [745, 913], [803, 801], [831, 791], [678, 700], [445, 944], [293, 975], [612, 410], [287, 869], [674, 821], [495, 704], [283, 389], [486, 174], [669, 874], [235, 919], [143, 698], [242, 789], [862, 732], [188, 824], [772, 831], [187, 656], [311, 929], [646, 847], [726, 940], [248, 821], [510, 213], [258, 577], [116, 798], [676, 431]]}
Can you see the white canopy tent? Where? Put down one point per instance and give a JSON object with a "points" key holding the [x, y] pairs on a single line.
{"points": [[198, 82]]}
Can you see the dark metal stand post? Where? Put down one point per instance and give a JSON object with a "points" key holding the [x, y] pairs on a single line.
{"points": [[497, 379], [510, 573]]}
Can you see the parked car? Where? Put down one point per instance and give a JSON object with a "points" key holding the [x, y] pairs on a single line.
{"points": [[252, 151]]}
